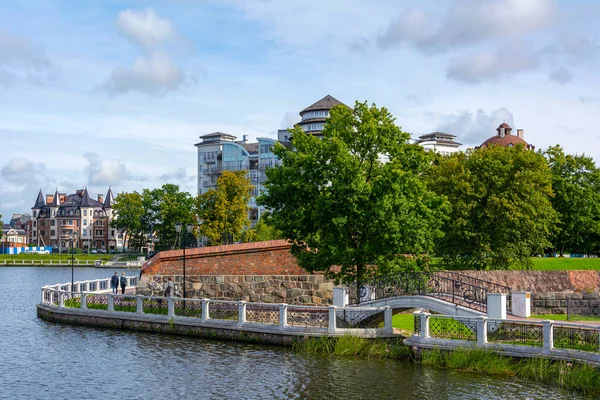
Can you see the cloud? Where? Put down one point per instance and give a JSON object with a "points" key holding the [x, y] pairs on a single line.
{"points": [[153, 74], [466, 23], [289, 120], [178, 175], [144, 28], [22, 60], [560, 75], [20, 170], [104, 171], [473, 128], [493, 65]]}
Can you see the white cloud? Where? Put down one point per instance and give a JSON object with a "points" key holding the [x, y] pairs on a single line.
{"points": [[473, 128], [145, 28], [104, 171], [20, 59], [154, 74], [20, 170]]}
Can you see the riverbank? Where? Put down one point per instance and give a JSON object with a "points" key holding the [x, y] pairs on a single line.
{"points": [[579, 377]]}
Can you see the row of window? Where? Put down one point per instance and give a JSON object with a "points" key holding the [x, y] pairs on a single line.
{"points": [[313, 127], [315, 114], [208, 155]]}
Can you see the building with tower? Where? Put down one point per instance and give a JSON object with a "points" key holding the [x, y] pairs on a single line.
{"points": [[505, 138], [439, 142], [59, 218]]}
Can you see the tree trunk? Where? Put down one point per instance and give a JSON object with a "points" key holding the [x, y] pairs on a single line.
{"points": [[360, 272]]}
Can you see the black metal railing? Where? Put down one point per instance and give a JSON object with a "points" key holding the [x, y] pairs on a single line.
{"points": [[450, 286], [586, 307]]}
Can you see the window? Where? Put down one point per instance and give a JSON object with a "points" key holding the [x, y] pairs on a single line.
{"points": [[85, 213], [84, 233], [34, 224], [34, 214], [85, 222], [112, 233], [34, 233], [70, 222], [52, 232], [52, 223]]}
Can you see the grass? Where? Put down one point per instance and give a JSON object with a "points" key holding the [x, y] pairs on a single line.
{"points": [[563, 317], [565, 263], [53, 257], [353, 346], [405, 322]]}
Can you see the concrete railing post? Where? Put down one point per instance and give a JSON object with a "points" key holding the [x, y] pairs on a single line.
{"points": [[51, 297], [424, 332], [340, 296], [548, 332], [61, 300], [387, 320], [242, 311], [170, 307], [283, 315], [139, 303], [84, 301], [111, 303], [481, 331], [205, 310], [332, 325], [496, 305]]}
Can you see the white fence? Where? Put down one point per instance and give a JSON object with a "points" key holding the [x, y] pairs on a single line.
{"points": [[241, 315], [90, 286], [520, 338]]}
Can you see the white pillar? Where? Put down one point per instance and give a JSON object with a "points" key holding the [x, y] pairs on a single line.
{"points": [[332, 324], [170, 307], [521, 304], [139, 303], [84, 301], [61, 302], [387, 320], [111, 302], [242, 311], [424, 332], [283, 315], [548, 330], [340, 296], [481, 331], [496, 305], [205, 310]]}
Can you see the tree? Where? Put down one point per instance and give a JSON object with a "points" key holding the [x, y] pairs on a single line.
{"points": [[129, 210], [501, 211], [354, 198], [224, 210], [576, 185], [163, 208], [265, 231]]}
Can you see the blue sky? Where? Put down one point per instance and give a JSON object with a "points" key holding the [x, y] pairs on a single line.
{"points": [[116, 93]]}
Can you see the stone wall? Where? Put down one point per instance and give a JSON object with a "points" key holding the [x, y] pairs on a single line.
{"points": [[556, 302], [290, 289]]}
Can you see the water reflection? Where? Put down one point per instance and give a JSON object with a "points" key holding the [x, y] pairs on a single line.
{"points": [[46, 360]]}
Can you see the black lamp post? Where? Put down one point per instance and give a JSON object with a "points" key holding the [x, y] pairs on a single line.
{"points": [[188, 231], [72, 260]]}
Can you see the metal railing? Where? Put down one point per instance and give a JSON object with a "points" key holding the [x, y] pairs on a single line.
{"points": [[453, 287], [90, 286], [515, 337], [295, 318]]}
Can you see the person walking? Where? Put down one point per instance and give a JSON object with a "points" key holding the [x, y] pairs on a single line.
{"points": [[114, 283], [169, 288], [123, 282]]}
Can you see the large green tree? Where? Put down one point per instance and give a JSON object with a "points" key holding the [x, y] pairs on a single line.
{"points": [[576, 185], [129, 211], [354, 198], [163, 208], [224, 210], [501, 210]]}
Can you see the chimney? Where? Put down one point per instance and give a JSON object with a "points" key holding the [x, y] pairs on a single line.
{"points": [[520, 133], [100, 198], [49, 199], [502, 132], [244, 138]]}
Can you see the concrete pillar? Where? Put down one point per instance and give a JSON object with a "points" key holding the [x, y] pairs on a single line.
{"points": [[283, 315], [481, 331], [424, 332], [61, 300], [242, 311], [205, 310], [548, 330], [84, 301], [332, 325], [387, 320], [521, 304], [139, 304], [51, 297], [170, 307], [111, 303], [340, 296], [496, 305]]}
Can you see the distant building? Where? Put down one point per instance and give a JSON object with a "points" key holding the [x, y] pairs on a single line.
{"points": [[505, 138], [55, 218], [13, 237], [439, 142]]}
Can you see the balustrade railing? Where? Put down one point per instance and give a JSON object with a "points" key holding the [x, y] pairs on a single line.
{"points": [[281, 316], [514, 336]]}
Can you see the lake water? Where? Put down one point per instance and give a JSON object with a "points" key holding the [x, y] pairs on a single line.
{"points": [[42, 360]]}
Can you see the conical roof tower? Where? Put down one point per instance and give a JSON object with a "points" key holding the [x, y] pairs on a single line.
{"points": [[39, 203]]}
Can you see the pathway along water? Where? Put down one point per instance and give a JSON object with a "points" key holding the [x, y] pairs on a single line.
{"points": [[41, 360]]}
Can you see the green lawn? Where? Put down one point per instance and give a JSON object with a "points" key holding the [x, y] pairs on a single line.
{"points": [[405, 322], [563, 317], [53, 257], [565, 263]]}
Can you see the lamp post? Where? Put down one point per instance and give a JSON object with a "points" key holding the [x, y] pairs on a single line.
{"points": [[72, 260], [188, 231]]}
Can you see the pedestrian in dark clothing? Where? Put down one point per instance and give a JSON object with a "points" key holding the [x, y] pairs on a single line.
{"points": [[169, 288], [114, 283], [123, 282]]}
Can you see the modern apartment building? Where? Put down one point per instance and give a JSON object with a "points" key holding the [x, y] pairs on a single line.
{"points": [[439, 142], [58, 218]]}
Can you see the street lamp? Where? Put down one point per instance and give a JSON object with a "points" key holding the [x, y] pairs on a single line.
{"points": [[189, 228], [72, 260]]}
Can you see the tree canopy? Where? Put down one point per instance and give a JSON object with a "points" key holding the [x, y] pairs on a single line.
{"points": [[129, 210], [501, 211], [355, 197], [576, 185], [224, 210]]}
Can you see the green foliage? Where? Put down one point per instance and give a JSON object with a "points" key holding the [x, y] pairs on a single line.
{"points": [[224, 210], [352, 346], [565, 263], [129, 210], [355, 197], [501, 211], [262, 231], [576, 185]]}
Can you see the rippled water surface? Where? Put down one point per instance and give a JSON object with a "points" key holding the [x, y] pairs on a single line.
{"points": [[41, 360]]}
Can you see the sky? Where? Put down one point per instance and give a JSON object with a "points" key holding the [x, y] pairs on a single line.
{"points": [[112, 93]]}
